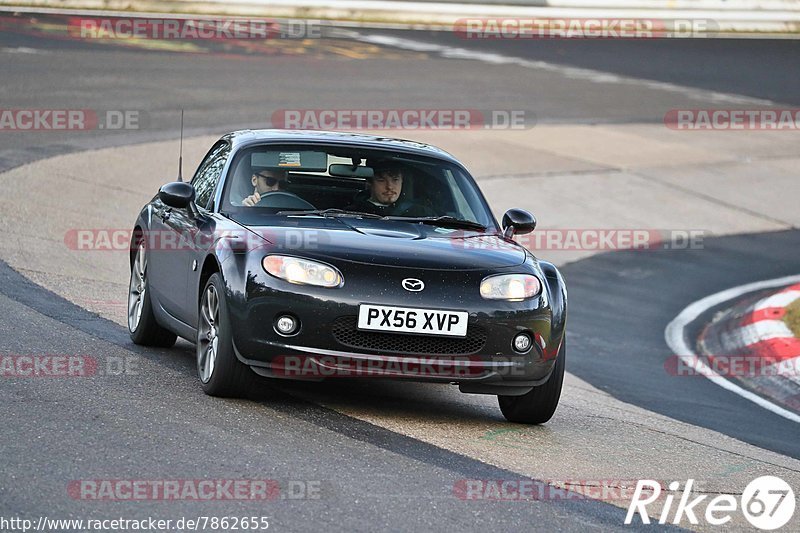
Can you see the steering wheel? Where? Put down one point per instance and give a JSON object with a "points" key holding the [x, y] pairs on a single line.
{"points": [[283, 200], [407, 206]]}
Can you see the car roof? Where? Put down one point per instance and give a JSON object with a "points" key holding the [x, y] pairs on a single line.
{"points": [[242, 138]]}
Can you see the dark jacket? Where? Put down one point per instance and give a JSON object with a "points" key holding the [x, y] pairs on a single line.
{"points": [[403, 207]]}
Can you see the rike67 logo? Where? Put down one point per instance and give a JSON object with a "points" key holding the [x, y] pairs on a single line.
{"points": [[767, 502]]}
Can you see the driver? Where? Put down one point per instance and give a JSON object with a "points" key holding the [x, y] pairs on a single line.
{"points": [[264, 181], [385, 188]]}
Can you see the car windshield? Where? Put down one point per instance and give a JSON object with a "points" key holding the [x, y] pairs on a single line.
{"points": [[334, 181]]}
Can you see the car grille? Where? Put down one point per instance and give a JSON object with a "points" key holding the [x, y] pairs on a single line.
{"points": [[345, 332]]}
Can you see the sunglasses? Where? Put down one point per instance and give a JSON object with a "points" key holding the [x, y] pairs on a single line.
{"points": [[271, 181]]}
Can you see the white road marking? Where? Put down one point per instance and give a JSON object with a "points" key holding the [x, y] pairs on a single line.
{"points": [[676, 338], [594, 76], [782, 299], [21, 50]]}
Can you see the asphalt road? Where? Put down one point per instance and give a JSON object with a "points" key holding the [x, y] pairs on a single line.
{"points": [[227, 87], [622, 350], [765, 69], [158, 422], [344, 474]]}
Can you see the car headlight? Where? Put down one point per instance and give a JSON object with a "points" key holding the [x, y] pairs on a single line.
{"points": [[302, 271], [514, 287]]}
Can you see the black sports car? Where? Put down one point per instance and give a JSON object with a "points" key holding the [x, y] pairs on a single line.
{"points": [[313, 255]]}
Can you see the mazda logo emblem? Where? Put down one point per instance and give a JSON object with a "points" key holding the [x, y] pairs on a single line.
{"points": [[413, 285]]}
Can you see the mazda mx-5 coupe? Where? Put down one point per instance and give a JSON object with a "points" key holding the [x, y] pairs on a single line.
{"points": [[318, 255]]}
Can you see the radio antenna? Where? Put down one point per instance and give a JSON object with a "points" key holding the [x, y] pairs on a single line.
{"points": [[180, 154]]}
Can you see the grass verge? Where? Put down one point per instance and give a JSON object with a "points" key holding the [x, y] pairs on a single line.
{"points": [[792, 317]]}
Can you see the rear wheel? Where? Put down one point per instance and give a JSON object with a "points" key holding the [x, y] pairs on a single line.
{"points": [[221, 373], [537, 406], [142, 324]]}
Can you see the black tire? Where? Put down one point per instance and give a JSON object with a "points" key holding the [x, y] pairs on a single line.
{"points": [[142, 325], [537, 406], [227, 377]]}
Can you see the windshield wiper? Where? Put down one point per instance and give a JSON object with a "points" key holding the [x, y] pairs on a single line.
{"points": [[443, 221], [332, 212]]}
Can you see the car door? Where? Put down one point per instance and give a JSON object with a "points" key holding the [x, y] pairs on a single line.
{"points": [[181, 238], [203, 229]]}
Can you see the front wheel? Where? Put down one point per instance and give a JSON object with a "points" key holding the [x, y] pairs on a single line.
{"points": [[538, 405], [221, 373], [142, 324]]}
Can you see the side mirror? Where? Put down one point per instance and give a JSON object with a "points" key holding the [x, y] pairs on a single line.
{"points": [[178, 194], [518, 222]]}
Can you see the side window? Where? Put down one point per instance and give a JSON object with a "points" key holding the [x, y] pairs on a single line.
{"points": [[209, 173]]}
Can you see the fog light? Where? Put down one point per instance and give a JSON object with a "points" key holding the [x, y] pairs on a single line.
{"points": [[522, 342], [286, 325]]}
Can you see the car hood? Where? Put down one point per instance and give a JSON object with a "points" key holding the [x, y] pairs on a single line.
{"points": [[391, 243]]}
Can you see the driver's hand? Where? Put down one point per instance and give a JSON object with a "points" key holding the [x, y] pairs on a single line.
{"points": [[251, 200]]}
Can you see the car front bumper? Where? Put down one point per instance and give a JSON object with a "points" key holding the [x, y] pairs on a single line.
{"points": [[329, 345]]}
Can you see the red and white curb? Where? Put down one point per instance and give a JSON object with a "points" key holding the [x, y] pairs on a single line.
{"points": [[755, 336], [762, 330], [757, 329]]}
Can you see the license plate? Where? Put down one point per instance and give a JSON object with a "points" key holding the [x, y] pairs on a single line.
{"points": [[412, 320]]}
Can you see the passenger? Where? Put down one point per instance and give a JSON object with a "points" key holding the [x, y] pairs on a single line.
{"points": [[384, 195]]}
